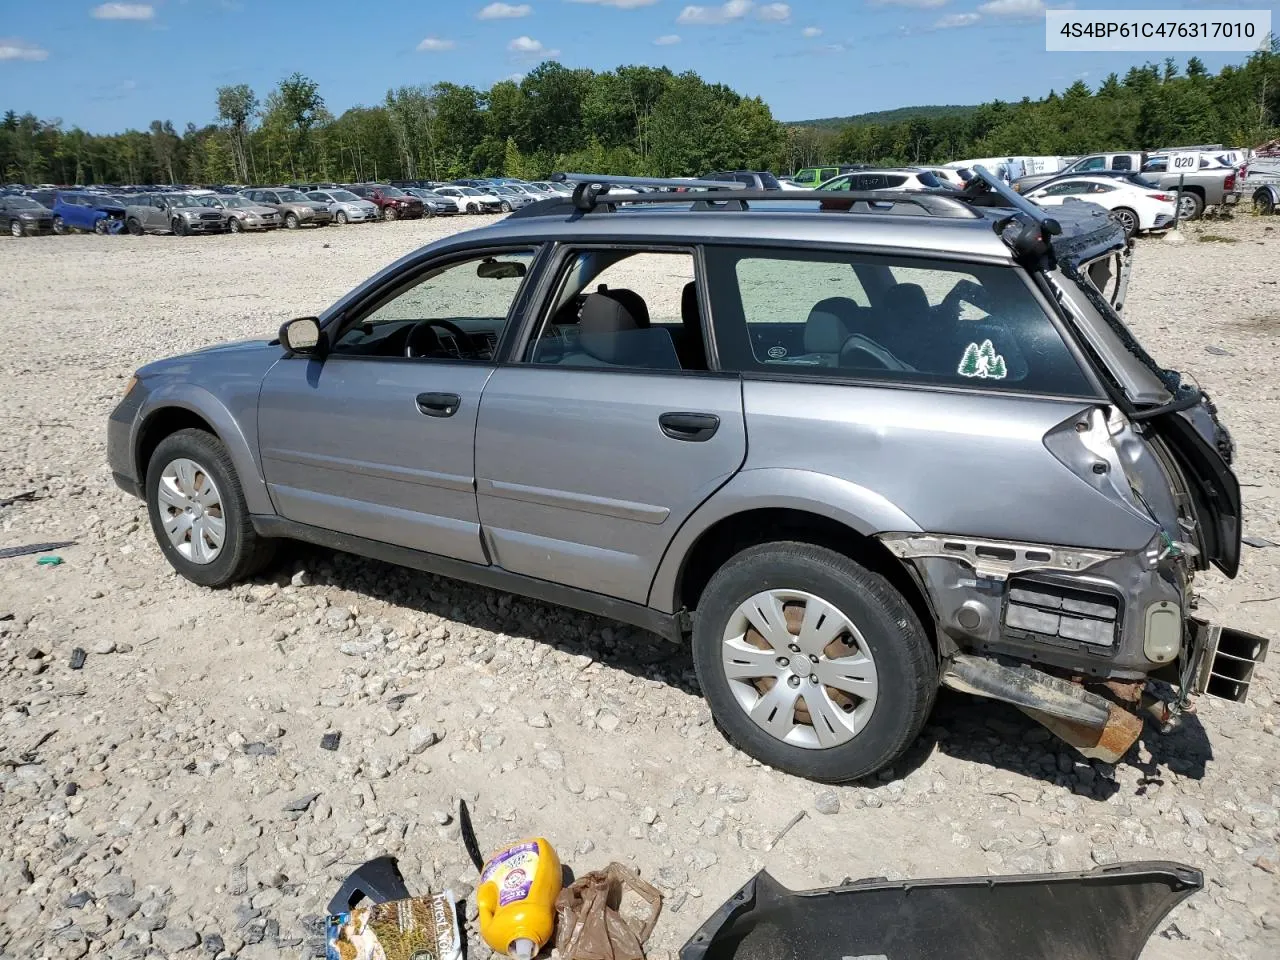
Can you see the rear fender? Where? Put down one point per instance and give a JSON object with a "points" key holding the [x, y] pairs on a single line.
{"points": [[858, 508], [197, 400]]}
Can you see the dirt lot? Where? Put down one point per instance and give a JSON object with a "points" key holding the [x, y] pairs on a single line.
{"points": [[161, 798]]}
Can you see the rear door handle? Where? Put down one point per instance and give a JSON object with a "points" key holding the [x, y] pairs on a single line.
{"points": [[694, 427], [439, 404]]}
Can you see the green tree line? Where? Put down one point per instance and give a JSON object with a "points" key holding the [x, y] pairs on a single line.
{"points": [[633, 120]]}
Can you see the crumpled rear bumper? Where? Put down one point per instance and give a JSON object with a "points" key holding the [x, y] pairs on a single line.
{"points": [[1103, 914]]}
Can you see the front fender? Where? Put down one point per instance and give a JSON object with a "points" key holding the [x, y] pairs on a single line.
{"points": [[858, 508], [198, 400]]}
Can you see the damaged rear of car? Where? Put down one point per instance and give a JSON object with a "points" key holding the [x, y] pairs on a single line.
{"points": [[1069, 631]]}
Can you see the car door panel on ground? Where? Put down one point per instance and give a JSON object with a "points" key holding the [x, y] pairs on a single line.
{"points": [[567, 445], [377, 440]]}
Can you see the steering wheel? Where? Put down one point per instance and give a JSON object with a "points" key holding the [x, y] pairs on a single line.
{"points": [[413, 348], [857, 343]]}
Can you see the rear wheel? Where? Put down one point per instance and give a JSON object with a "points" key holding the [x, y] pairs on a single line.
{"points": [[60, 227], [134, 227], [342, 218], [1264, 202], [179, 227], [1190, 206], [16, 229], [1128, 219], [198, 512], [812, 663]]}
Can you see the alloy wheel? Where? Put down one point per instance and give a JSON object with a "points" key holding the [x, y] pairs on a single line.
{"points": [[15, 228], [799, 668], [1127, 221], [191, 510]]}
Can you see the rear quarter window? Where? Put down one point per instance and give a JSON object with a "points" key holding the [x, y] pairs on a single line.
{"points": [[912, 321]]}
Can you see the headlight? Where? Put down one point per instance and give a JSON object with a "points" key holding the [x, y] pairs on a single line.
{"points": [[128, 387]]}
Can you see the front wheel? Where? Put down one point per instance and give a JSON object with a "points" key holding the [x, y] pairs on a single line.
{"points": [[16, 229], [1127, 219], [179, 227], [235, 225], [812, 663], [60, 227], [291, 221], [505, 206], [390, 213], [100, 226], [341, 218], [198, 512]]}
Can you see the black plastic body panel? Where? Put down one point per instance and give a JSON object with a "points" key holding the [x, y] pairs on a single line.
{"points": [[1104, 914]]}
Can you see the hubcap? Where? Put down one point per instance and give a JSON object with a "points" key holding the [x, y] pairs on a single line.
{"points": [[15, 228], [799, 668], [191, 511], [1188, 206]]}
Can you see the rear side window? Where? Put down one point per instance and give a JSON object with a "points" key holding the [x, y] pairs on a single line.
{"points": [[903, 320], [928, 179]]}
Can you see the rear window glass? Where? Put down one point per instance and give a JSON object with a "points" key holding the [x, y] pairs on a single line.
{"points": [[929, 179], [819, 313]]}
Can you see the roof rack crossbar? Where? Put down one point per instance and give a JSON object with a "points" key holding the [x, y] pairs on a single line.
{"points": [[655, 182]]}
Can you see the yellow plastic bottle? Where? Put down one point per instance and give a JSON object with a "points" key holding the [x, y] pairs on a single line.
{"points": [[517, 898]]}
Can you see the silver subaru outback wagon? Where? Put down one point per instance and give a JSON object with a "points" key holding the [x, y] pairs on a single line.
{"points": [[850, 449]]}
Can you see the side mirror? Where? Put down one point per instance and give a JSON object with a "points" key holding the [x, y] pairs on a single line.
{"points": [[302, 335]]}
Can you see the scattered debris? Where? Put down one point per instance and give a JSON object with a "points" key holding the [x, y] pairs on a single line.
{"points": [[1259, 542], [7, 553], [78, 657], [596, 921], [27, 496], [330, 741], [787, 829], [1217, 351], [50, 561], [300, 804]]}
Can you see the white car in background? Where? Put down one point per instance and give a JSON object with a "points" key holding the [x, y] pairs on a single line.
{"points": [[905, 178], [948, 175], [346, 207], [1133, 206], [469, 199]]}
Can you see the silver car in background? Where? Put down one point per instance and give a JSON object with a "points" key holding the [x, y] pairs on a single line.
{"points": [[433, 203], [177, 213], [242, 213], [345, 206], [294, 208]]}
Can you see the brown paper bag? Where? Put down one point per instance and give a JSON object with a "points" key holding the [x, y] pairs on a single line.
{"points": [[606, 915]]}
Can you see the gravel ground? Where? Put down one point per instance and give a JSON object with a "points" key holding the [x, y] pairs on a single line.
{"points": [[172, 795]]}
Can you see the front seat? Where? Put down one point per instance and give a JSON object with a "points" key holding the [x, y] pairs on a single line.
{"points": [[610, 334], [828, 326], [691, 349], [906, 320]]}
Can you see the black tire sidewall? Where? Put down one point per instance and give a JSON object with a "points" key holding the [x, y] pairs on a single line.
{"points": [[904, 658], [206, 450], [134, 228]]}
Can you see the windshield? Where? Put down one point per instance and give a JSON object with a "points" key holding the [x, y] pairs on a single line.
{"points": [[290, 196], [393, 192], [769, 182], [343, 196], [182, 200], [928, 179], [21, 203], [470, 192], [228, 201]]}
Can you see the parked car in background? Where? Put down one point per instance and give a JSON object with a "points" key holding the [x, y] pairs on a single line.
{"points": [[900, 179], [1266, 198], [470, 200], [294, 208], [1135, 208], [394, 203], [74, 210], [553, 189], [509, 198], [1130, 161], [42, 196], [345, 206], [948, 176], [22, 217], [753, 179], [434, 204], [242, 213], [810, 178], [178, 213]]}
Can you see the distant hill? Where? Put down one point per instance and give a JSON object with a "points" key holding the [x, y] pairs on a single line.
{"points": [[900, 115]]}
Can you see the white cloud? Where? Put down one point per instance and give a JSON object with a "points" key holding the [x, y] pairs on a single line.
{"points": [[954, 20], [774, 13], [505, 11], [620, 4], [12, 48], [529, 47], [811, 32], [124, 11], [670, 40], [435, 45], [1014, 9], [714, 16], [916, 4]]}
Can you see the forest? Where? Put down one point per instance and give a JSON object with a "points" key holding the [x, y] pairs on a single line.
{"points": [[634, 120]]}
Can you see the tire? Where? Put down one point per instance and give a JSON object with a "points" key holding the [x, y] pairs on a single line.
{"points": [[235, 225], [1191, 206], [291, 221], [60, 227], [390, 213], [242, 552], [1128, 219], [16, 229], [100, 226], [428, 211], [341, 218], [134, 227], [866, 733], [179, 227], [505, 206], [1263, 202]]}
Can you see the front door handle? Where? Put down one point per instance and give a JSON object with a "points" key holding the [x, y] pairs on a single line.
{"points": [[694, 427], [439, 404]]}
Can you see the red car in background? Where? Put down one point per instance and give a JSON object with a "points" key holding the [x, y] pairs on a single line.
{"points": [[394, 203]]}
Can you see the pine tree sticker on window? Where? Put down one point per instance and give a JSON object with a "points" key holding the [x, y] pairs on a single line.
{"points": [[982, 362]]}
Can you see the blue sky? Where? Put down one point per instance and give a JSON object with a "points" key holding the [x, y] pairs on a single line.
{"points": [[108, 66]]}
